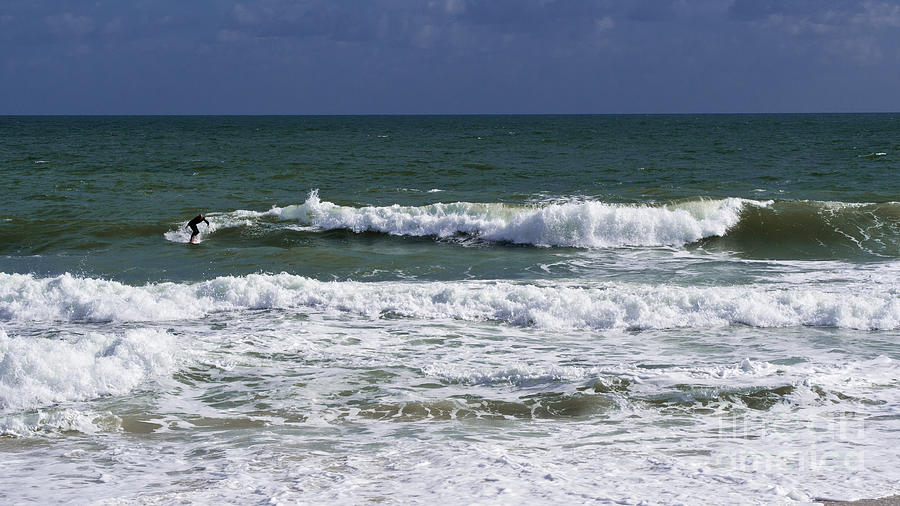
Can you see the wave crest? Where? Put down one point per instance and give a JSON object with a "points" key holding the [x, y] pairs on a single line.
{"points": [[599, 306], [578, 224], [588, 224], [758, 229]]}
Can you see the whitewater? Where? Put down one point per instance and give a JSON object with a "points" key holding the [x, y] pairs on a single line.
{"points": [[486, 309], [323, 367], [829, 228], [603, 306], [576, 224]]}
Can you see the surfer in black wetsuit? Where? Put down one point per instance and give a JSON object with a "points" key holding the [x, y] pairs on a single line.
{"points": [[193, 225]]}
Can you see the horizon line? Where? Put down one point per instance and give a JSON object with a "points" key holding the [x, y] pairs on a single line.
{"points": [[763, 113]]}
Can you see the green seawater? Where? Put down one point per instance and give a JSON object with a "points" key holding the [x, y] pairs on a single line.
{"points": [[460, 309], [94, 195]]}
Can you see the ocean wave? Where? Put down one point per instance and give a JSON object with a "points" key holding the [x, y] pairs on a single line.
{"points": [[815, 229], [553, 306], [755, 385], [217, 221], [551, 405], [37, 372], [534, 391], [523, 375], [53, 421], [767, 229], [853, 376], [586, 224]]}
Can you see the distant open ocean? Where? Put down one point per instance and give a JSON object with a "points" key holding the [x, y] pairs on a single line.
{"points": [[450, 309]]}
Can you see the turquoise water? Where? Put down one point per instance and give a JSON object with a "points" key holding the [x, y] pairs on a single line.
{"points": [[474, 308]]}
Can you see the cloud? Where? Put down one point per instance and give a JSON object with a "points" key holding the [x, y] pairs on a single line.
{"points": [[651, 10], [455, 7], [246, 16], [819, 16], [836, 32], [506, 55], [604, 24], [753, 10], [878, 15], [114, 25], [228, 36], [69, 24], [820, 25], [863, 50]]}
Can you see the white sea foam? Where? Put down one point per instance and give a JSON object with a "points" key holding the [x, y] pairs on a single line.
{"points": [[37, 372], [216, 221], [521, 375], [54, 421], [583, 224], [848, 378], [598, 306], [580, 224]]}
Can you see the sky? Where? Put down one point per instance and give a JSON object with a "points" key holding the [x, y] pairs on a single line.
{"points": [[448, 56]]}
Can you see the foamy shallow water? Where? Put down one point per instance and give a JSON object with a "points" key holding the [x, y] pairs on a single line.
{"points": [[301, 404], [778, 386]]}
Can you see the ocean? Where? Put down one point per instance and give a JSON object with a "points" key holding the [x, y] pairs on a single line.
{"points": [[662, 309]]}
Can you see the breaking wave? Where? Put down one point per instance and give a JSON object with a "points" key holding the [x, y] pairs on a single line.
{"points": [[37, 372], [764, 229], [598, 306], [576, 224]]}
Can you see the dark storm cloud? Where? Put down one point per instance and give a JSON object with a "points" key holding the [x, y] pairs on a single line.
{"points": [[284, 56]]}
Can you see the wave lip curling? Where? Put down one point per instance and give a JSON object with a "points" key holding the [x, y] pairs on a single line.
{"points": [[577, 224], [586, 224]]}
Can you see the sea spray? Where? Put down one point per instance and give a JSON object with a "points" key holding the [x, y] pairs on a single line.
{"points": [[578, 224]]}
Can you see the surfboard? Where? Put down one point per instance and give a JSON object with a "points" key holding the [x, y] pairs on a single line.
{"points": [[195, 240]]}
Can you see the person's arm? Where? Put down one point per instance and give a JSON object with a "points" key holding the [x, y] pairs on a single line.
{"points": [[204, 220]]}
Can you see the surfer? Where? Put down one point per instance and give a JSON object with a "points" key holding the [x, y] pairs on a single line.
{"points": [[193, 225]]}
